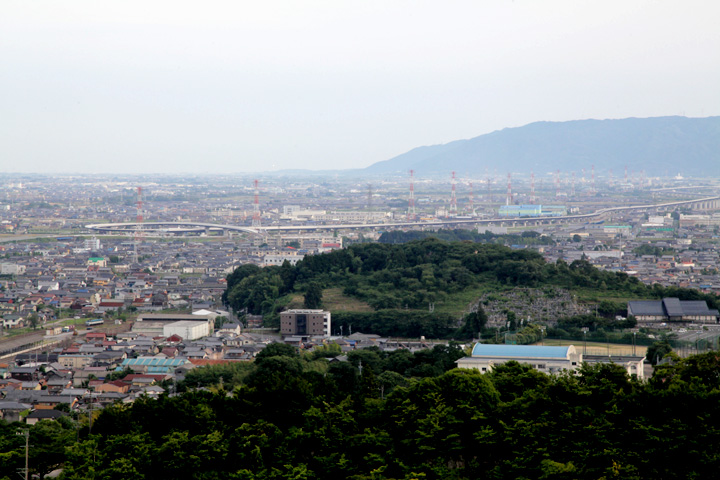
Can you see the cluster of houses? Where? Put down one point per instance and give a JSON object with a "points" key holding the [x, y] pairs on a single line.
{"points": [[689, 263], [93, 278], [97, 369]]}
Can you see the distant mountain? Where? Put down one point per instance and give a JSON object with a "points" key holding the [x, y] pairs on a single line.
{"points": [[660, 145]]}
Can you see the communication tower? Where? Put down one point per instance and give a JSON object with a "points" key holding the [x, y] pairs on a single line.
{"points": [[411, 199], [532, 188], [453, 199], [509, 199], [138, 224], [256, 207]]}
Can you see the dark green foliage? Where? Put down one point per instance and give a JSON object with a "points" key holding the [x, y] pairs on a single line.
{"points": [[657, 351], [649, 249], [459, 235], [288, 422], [313, 296], [395, 323], [48, 440], [473, 323]]}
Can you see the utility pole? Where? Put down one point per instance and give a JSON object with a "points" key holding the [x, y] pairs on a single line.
{"points": [[26, 434]]}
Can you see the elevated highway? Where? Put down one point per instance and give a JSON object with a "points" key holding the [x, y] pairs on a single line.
{"points": [[701, 204]]}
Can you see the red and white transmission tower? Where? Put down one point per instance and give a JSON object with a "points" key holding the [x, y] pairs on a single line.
{"points": [[411, 199], [572, 185], [453, 199], [138, 225], [610, 179], [593, 179], [256, 207], [626, 176], [509, 199], [532, 188]]}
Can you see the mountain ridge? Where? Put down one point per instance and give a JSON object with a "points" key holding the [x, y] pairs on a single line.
{"points": [[658, 145]]}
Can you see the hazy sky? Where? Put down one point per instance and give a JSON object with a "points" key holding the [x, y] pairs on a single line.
{"points": [[239, 86]]}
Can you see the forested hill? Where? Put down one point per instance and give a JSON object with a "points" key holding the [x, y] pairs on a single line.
{"points": [[399, 281]]}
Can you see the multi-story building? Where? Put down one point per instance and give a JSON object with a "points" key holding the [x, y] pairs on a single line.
{"points": [[305, 322]]}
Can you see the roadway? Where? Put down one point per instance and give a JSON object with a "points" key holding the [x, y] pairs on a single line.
{"points": [[132, 227]]}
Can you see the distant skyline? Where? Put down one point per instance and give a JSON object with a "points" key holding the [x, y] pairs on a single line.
{"points": [[231, 87]]}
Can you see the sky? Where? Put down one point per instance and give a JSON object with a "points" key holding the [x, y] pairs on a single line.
{"points": [[237, 86]]}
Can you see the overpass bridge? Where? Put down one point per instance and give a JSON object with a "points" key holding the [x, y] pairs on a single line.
{"points": [[700, 204]]}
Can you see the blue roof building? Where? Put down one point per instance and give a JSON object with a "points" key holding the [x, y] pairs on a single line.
{"points": [[153, 364], [546, 359]]}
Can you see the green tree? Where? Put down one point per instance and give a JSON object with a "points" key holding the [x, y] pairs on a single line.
{"points": [[658, 350], [474, 322], [313, 296], [33, 320]]}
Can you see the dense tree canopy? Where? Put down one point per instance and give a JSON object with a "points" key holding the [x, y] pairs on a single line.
{"points": [[288, 420]]}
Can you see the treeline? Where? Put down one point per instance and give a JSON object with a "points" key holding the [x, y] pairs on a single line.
{"points": [[648, 249], [462, 235], [396, 323], [289, 421]]}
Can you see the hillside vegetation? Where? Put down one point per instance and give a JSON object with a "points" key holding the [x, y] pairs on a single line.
{"points": [[422, 287]]}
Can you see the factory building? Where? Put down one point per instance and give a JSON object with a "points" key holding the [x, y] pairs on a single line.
{"points": [[532, 211]]}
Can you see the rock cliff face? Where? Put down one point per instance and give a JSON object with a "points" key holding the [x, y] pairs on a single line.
{"points": [[539, 305]]}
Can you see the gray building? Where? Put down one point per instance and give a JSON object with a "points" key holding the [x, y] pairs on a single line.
{"points": [[671, 310]]}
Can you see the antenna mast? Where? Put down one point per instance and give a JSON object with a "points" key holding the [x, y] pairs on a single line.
{"points": [[508, 200], [138, 226], [411, 200], [256, 207], [453, 199]]}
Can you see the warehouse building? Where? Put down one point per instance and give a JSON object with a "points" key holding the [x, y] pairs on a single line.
{"points": [[671, 310], [532, 211], [159, 324]]}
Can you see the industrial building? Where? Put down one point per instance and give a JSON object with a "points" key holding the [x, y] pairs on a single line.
{"points": [[156, 325], [532, 211], [305, 323], [187, 329]]}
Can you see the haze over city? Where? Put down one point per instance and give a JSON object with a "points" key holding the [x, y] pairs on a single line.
{"points": [[225, 87]]}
